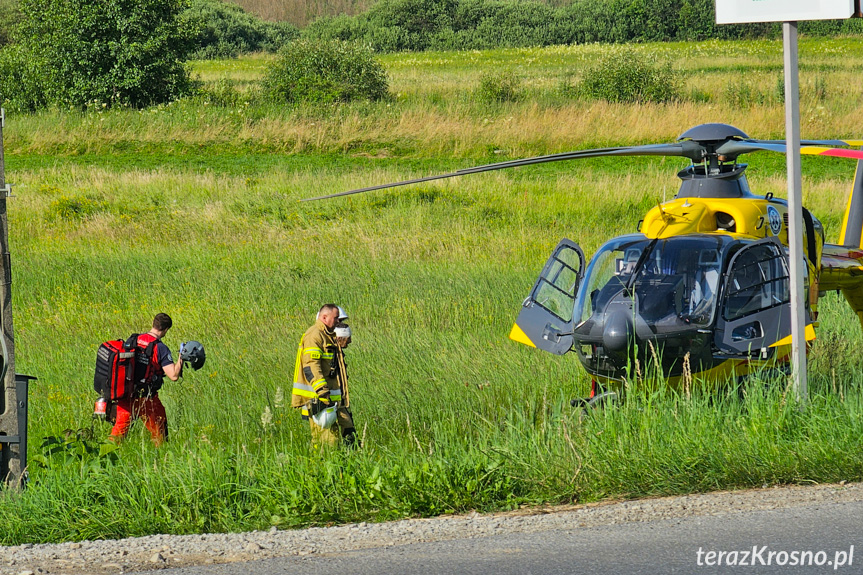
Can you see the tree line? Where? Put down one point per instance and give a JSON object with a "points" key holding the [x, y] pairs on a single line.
{"points": [[86, 53], [415, 25]]}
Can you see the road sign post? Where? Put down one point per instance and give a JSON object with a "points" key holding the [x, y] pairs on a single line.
{"points": [[789, 12], [795, 208]]}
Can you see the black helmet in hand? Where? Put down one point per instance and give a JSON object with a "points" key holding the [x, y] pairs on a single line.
{"points": [[192, 352]]}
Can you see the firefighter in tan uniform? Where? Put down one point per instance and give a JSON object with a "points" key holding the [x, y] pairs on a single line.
{"points": [[317, 388]]}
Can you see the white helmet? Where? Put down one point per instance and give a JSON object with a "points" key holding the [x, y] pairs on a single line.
{"points": [[326, 417], [342, 315], [343, 331]]}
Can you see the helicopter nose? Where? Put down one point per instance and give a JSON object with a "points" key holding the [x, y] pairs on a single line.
{"points": [[618, 332]]}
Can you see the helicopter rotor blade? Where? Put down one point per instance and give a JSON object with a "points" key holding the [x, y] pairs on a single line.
{"points": [[734, 148], [695, 150], [835, 152], [689, 149], [829, 143]]}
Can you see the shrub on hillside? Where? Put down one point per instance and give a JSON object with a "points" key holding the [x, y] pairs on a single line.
{"points": [[106, 52], [500, 87], [483, 24], [324, 72], [225, 30], [408, 24], [342, 27], [390, 25], [629, 77]]}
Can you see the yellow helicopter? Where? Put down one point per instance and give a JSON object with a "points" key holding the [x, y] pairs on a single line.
{"points": [[703, 287]]}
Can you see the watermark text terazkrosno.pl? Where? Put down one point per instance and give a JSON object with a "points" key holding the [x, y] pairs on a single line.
{"points": [[763, 555]]}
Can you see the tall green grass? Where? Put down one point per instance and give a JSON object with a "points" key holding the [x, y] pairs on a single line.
{"points": [[192, 210]]}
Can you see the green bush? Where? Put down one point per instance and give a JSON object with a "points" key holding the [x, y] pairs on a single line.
{"points": [[325, 72], [482, 24], [500, 87], [24, 83], [409, 24], [225, 30], [75, 207], [629, 77], [341, 27], [107, 52]]}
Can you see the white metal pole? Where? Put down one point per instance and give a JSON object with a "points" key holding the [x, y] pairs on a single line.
{"points": [[795, 209]]}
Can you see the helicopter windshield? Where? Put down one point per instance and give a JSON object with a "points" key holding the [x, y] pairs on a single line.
{"points": [[608, 274], [674, 282]]}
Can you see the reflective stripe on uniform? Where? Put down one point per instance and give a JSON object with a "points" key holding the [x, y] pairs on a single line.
{"points": [[302, 386], [319, 384], [303, 390], [336, 394], [314, 352], [299, 361]]}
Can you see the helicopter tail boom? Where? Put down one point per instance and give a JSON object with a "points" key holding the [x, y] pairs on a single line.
{"points": [[842, 270]]}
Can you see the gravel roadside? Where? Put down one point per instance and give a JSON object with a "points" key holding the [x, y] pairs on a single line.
{"points": [[156, 551]]}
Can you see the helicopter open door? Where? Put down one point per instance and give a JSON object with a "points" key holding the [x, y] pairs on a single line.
{"points": [[755, 309], [546, 317]]}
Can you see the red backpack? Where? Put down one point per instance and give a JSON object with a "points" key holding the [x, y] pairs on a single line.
{"points": [[116, 363]]}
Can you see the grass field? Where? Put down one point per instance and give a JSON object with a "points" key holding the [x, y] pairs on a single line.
{"points": [[192, 209]]}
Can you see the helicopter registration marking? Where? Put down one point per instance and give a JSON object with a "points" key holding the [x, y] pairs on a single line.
{"points": [[775, 220]]}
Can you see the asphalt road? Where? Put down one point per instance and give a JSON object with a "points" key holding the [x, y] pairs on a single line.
{"points": [[811, 539]]}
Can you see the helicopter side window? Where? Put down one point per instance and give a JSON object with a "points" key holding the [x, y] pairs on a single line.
{"points": [[760, 281]]}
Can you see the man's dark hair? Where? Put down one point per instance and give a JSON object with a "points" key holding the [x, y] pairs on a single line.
{"points": [[162, 322], [328, 307]]}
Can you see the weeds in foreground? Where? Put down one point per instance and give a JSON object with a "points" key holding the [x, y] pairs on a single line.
{"points": [[479, 457]]}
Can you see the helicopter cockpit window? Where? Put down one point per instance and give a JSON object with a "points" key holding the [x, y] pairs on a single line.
{"points": [[675, 283], [608, 274], [555, 291], [678, 282], [704, 287]]}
